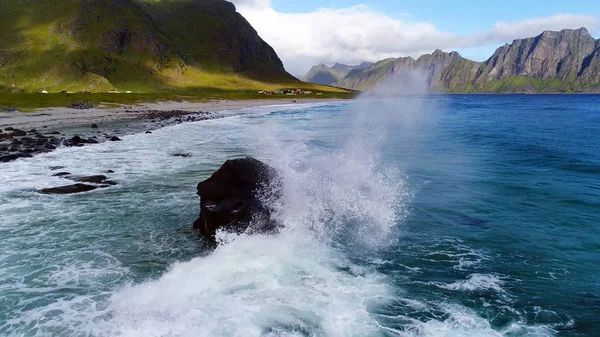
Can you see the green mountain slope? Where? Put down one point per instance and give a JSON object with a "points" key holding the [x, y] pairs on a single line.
{"points": [[564, 61], [137, 45]]}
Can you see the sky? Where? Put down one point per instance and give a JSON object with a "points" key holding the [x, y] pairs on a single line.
{"points": [[309, 32]]}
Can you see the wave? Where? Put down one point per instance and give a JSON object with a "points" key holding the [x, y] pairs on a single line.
{"points": [[338, 201], [254, 286], [476, 282]]}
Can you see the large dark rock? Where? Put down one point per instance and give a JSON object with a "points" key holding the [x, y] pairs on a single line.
{"points": [[233, 198], [69, 189]]}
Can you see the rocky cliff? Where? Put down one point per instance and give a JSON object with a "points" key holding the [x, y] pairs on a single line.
{"points": [[131, 45], [564, 61]]}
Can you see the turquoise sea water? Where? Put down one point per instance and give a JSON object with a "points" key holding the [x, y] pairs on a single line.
{"points": [[431, 216]]}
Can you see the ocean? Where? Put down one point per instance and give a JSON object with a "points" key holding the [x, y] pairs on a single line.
{"points": [[439, 215]]}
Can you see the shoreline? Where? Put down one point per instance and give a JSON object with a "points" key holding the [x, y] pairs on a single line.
{"points": [[23, 135], [67, 117]]}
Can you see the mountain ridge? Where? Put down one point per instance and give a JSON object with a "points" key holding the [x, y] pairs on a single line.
{"points": [[553, 62], [325, 75], [138, 45]]}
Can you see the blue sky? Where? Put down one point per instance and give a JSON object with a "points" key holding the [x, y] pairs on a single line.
{"points": [[460, 16], [350, 31]]}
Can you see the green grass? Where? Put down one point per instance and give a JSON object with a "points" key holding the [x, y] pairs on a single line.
{"points": [[150, 47], [521, 84], [31, 101]]}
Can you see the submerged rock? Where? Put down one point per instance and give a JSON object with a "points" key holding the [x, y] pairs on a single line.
{"points": [[96, 179], [183, 155], [231, 198], [69, 189], [99, 181]]}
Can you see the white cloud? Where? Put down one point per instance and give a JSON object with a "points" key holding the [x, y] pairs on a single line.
{"points": [[355, 34]]}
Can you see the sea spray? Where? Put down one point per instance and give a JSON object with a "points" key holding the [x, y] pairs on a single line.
{"points": [[304, 281], [298, 282], [345, 194]]}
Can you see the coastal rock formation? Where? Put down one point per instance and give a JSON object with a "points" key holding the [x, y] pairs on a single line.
{"points": [[98, 181], [231, 198], [16, 143], [563, 61], [69, 189]]}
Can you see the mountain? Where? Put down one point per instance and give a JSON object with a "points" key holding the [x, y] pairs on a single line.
{"points": [[322, 74], [142, 45], [564, 61]]}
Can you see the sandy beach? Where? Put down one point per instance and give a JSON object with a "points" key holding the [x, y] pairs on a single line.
{"points": [[66, 117]]}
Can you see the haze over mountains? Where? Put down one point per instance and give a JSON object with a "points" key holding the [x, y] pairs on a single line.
{"points": [[554, 61], [322, 74], [141, 45]]}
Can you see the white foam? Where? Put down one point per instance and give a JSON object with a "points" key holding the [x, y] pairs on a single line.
{"points": [[253, 286], [462, 322], [476, 282], [296, 283]]}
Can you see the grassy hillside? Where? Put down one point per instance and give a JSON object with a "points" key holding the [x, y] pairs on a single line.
{"points": [[363, 79], [144, 46]]}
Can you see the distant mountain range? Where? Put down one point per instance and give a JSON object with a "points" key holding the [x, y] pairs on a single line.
{"points": [[567, 61], [322, 74]]}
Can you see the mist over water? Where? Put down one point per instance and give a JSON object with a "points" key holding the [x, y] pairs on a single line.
{"points": [[386, 233]]}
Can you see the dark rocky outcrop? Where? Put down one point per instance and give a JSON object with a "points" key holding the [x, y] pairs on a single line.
{"points": [[91, 183], [16, 143], [97, 179], [81, 105], [69, 189], [233, 198], [14, 156], [182, 155], [18, 133], [7, 109]]}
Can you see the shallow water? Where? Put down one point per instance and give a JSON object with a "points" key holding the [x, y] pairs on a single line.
{"points": [[439, 216]]}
